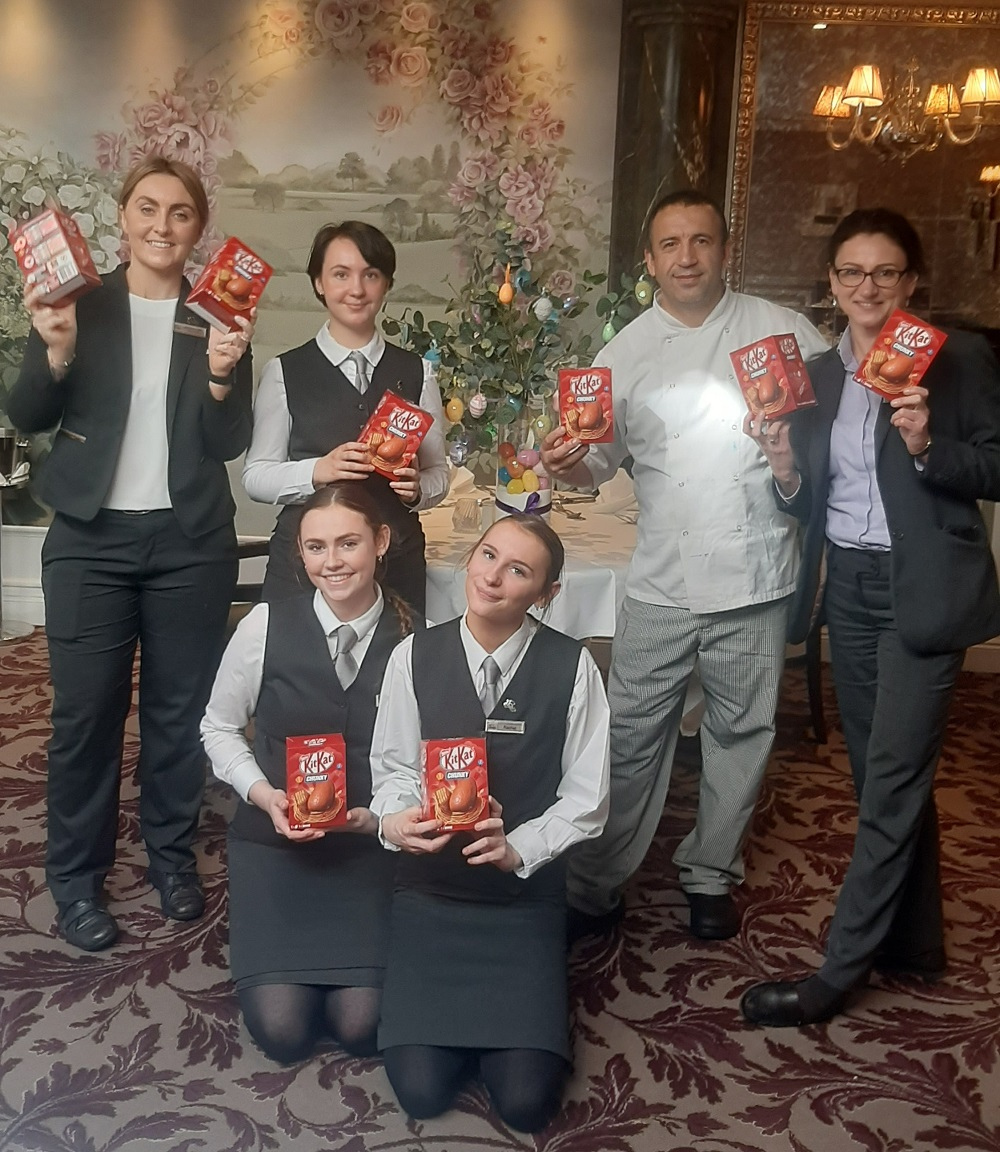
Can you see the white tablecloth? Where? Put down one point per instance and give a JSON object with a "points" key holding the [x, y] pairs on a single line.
{"points": [[598, 550]]}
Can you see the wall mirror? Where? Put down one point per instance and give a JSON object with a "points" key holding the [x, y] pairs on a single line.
{"points": [[789, 186]]}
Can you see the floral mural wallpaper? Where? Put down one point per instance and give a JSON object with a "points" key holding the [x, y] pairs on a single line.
{"points": [[472, 132]]}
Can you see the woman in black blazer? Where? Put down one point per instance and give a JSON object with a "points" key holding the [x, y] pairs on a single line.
{"points": [[887, 492], [148, 406]]}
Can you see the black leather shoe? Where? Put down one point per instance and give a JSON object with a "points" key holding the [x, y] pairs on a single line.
{"points": [[928, 966], [713, 917], [580, 924], [181, 895], [87, 924], [777, 1005]]}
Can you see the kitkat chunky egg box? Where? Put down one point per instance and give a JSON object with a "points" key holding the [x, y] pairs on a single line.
{"points": [[585, 406], [316, 781], [456, 791], [51, 250], [901, 354], [229, 286], [772, 377], [394, 432]]}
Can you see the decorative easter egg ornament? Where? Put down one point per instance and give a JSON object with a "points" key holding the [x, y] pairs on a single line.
{"points": [[643, 291], [542, 425], [529, 481], [515, 487], [507, 451], [542, 309], [477, 405], [506, 292], [454, 409], [433, 355], [502, 474], [544, 483], [570, 303], [608, 332], [515, 469], [528, 457], [522, 278]]}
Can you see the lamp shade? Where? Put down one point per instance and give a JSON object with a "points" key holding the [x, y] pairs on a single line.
{"points": [[864, 89], [942, 100], [982, 87], [830, 103], [990, 174]]}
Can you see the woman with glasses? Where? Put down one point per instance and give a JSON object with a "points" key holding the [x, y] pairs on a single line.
{"points": [[887, 491]]}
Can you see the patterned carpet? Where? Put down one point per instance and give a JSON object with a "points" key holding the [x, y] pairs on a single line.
{"points": [[141, 1047]]}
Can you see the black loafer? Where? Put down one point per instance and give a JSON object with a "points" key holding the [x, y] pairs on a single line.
{"points": [[777, 1005], [181, 895], [713, 917], [580, 924], [87, 924]]}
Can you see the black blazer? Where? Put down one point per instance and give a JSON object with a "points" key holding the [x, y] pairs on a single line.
{"points": [[90, 404], [944, 578]]}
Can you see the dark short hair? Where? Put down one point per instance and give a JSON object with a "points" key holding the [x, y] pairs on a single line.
{"points": [[879, 222], [687, 198], [375, 247], [164, 166], [538, 527]]}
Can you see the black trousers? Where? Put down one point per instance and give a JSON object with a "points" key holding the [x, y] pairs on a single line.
{"points": [[404, 572], [894, 707], [120, 580]]}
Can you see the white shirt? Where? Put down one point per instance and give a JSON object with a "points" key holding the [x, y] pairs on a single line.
{"points": [[238, 682], [581, 807], [271, 478], [140, 478], [710, 537]]}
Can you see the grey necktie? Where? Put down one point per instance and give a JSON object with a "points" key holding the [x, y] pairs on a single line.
{"points": [[490, 695], [344, 662], [361, 368]]}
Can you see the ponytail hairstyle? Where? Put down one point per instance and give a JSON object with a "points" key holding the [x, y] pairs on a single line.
{"points": [[538, 527], [354, 497]]}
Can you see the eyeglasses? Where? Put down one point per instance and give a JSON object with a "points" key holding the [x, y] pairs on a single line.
{"points": [[881, 277]]}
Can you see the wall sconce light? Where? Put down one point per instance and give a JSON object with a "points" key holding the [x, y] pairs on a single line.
{"points": [[986, 215], [898, 120]]}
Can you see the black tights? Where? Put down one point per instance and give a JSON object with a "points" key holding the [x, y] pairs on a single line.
{"points": [[525, 1084], [287, 1019]]}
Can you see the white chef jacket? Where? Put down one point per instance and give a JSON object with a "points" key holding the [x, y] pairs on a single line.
{"points": [[710, 537]]}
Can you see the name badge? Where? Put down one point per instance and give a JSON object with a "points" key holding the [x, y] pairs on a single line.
{"points": [[183, 329], [511, 727]]}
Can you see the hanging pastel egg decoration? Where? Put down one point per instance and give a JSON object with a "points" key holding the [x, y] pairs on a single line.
{"points": [[608, 332], [477, 405], [454, 409], [570, 303], [643, 291], [522, 278], [543, 309], [505, 294], [458, 451], [541, 425]]}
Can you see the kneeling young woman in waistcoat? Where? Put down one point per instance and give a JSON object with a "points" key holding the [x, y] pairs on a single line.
{"points": [[309, 910], [314, 400], [476, 973]]}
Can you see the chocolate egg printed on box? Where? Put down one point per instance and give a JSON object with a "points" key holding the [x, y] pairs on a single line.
{"points": [[772, 376]]}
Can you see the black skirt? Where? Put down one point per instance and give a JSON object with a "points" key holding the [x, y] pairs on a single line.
{"points": [[462, 974], [312, 913]]}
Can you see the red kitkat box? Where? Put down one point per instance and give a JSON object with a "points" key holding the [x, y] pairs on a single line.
{"points": [[230, 285], [772, 376], [50, 248], [316, 780], [394, 432], [900, 356], [585, 406], [455, 787]]}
